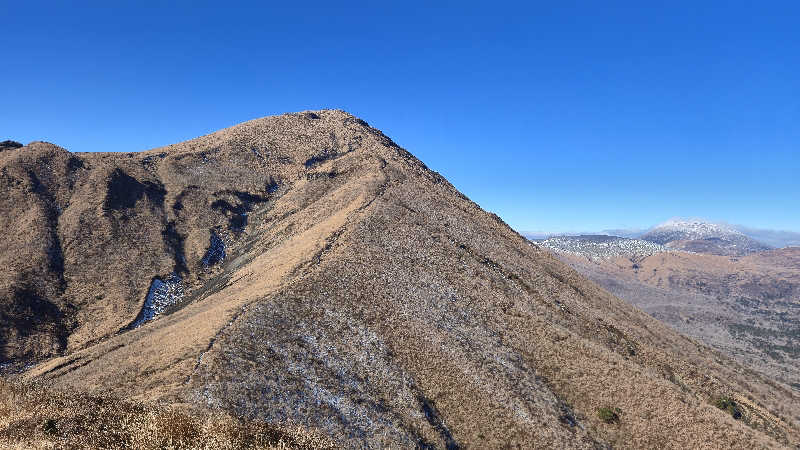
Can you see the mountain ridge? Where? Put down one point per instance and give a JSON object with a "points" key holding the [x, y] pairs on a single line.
{"points": [[358, 293]]}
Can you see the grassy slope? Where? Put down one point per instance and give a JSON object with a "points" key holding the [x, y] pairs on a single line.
{"points": [[369, 299], [37, 416]]}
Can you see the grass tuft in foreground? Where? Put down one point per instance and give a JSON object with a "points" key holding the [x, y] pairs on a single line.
{"points": [[33, 416]]}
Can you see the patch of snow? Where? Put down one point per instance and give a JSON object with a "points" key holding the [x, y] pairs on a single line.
{"points": [[162, 295], [602, 247], [216, 250]]}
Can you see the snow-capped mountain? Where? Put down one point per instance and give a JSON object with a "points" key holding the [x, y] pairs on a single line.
{"points": [[683, 230], [703, 237]]}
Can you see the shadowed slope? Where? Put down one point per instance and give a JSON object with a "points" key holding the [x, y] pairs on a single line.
{"points": [[361, 294]]}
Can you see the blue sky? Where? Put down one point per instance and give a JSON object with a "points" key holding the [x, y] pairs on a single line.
{"points": [[558, 116]]}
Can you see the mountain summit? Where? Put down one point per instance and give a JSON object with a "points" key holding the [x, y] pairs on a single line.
{"points": [[703, 237], [306, 269]]}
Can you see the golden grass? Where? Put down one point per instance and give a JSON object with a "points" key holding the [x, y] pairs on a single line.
{"points": [[367, 298], [36, 416]]}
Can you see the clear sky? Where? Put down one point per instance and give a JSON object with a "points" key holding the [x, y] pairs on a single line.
{"points": [[557, 116]]}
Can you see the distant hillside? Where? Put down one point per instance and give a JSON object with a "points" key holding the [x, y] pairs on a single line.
{"points": [[744, 306], [703, 237], [9, 145]]}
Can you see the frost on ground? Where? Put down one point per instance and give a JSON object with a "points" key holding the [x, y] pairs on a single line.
{"points": [[215, 252], [327, 369], [319, 383], [168, 292], [162, 295], [602, 247]]}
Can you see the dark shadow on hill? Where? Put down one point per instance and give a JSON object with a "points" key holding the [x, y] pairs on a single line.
{"points": [[240, 204], [124, 191], [28, 314], [174, 242], [55, 253], [435, 420]]}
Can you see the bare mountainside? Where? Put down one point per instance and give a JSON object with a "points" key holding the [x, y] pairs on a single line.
{"points": [[746, 307], [305, 269]]}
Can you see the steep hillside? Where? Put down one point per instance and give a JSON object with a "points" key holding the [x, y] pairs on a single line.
{"points": [[305, 269], [702, 237]]}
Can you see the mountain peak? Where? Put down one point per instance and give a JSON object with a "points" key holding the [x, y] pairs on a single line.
{"points": [[699, 236], [697, 228], [305, 269]]}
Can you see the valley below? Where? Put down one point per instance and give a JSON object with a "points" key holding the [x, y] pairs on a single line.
{"points": [[747, 307]]}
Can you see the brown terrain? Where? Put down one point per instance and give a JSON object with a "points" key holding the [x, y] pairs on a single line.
{"points": [[33, 416], [748, 307], [307, 271]]}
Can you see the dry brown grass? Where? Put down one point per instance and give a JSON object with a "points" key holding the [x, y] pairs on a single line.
{"points": [[368, 299], [37, 416]]}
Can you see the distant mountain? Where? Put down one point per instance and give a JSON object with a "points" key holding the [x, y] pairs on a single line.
{"points": [[539, 235], [704, 237], [679, 230], [765, 237], [9, 145], [535, 235]]}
